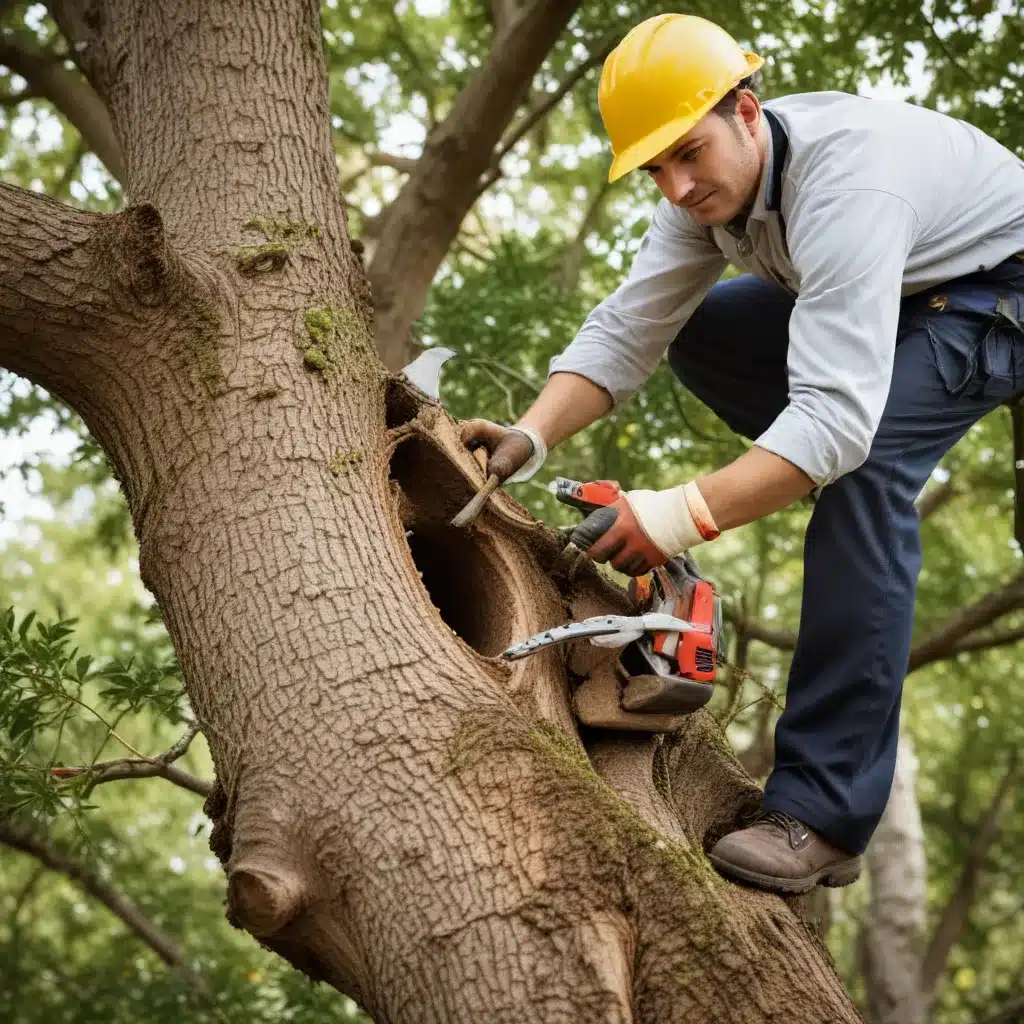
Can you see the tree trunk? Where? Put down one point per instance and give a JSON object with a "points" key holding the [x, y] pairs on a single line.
{"points": [[398, 812], [891, 943]]}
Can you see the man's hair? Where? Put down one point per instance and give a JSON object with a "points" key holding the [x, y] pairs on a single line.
{"points": [[726, 106]]}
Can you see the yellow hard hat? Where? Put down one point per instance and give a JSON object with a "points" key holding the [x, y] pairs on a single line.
{"points": [[661, 79]]}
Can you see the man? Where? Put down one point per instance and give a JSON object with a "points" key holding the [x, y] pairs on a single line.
{"points": [[880, 319]]}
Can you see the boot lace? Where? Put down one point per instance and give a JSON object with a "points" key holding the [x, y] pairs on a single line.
{"points": [[785, 824]]}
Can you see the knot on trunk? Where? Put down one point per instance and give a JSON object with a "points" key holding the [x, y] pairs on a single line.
{"points": [[263, 899], [139, 250]]}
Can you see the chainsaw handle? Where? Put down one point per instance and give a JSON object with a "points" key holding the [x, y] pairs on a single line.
{"points": [[588, 496]]}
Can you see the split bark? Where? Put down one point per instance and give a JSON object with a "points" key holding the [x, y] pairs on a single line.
{"points": [[399, 813]]}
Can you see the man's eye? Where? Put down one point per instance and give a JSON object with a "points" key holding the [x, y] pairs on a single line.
{"points": [[690, 155]]}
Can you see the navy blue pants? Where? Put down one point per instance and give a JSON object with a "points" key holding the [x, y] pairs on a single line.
{"points": [[835, 743]]}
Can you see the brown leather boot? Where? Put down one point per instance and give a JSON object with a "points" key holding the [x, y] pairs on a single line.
{"points": [[778, 852]]}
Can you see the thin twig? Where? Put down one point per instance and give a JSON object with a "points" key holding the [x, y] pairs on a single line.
{"points": [[120, 739], [160, 766], [179, 748], [41, 848], [505, 389], [552, 99], [508, 371]]}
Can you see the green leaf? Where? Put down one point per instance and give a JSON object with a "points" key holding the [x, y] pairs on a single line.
{"points": [[25, 624]]}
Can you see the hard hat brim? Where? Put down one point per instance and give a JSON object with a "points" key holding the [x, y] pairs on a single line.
{"points": [[651, 145]]}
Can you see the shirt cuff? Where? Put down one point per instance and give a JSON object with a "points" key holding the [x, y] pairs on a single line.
{"points": [[601, 376], [800, 439]]}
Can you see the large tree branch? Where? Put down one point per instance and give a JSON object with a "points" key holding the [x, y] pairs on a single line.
{"points": [[954, 917], [117, 903], [46, 280], [943, 640], [754, 629], [503, 13], [74, 287], [952, 636], [69, 93], [425, 218]]}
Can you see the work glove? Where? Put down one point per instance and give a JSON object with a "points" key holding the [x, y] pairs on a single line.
{"points": [[644, 529], [514, 453]]}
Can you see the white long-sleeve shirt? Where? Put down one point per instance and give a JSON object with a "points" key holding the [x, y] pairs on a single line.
{"points": [[878, 200]]}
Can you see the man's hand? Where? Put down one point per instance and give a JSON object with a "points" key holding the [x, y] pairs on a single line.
{"points": [[643, 529], [511, 450]]}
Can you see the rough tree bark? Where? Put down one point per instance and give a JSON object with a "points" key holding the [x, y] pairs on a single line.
{"points": [[398, 813]]}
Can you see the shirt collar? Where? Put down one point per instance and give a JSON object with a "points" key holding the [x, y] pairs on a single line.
{"points": [[769, 192]]}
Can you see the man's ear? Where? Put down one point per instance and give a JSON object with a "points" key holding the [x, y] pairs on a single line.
{"points": [[748, 109]]}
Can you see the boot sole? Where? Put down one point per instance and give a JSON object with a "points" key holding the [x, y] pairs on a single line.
{"points": [[834, 876]]}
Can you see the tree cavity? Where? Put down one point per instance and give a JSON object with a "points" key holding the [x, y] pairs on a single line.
{"points": [[460, 568]]}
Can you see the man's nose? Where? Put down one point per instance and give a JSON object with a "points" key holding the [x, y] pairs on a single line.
{"points": [[675, 183]]}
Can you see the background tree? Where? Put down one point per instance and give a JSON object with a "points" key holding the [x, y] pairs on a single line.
{"points": [[545, 239]]}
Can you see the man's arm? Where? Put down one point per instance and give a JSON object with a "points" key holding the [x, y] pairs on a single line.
{"points": [[849, 247], [567, 404], [616, 349], [620, 343], [751, 487]]}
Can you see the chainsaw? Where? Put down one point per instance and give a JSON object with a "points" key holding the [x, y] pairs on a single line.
{"points": [[670, 650]]}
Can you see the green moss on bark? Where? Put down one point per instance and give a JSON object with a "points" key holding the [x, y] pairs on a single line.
{"points": [[342, 462], [261, 259], [280, 229], [330, 331], [316, 359], [592, 812], [202, 326]]}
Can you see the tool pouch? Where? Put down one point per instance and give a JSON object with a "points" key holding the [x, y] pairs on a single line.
{"points": [[979, 349], [978, 342]]}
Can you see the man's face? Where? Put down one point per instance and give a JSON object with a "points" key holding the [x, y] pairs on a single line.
{"points": [[713, 171]]}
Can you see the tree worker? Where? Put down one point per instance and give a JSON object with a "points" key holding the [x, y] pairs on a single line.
{"points": [[881, 317]]}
